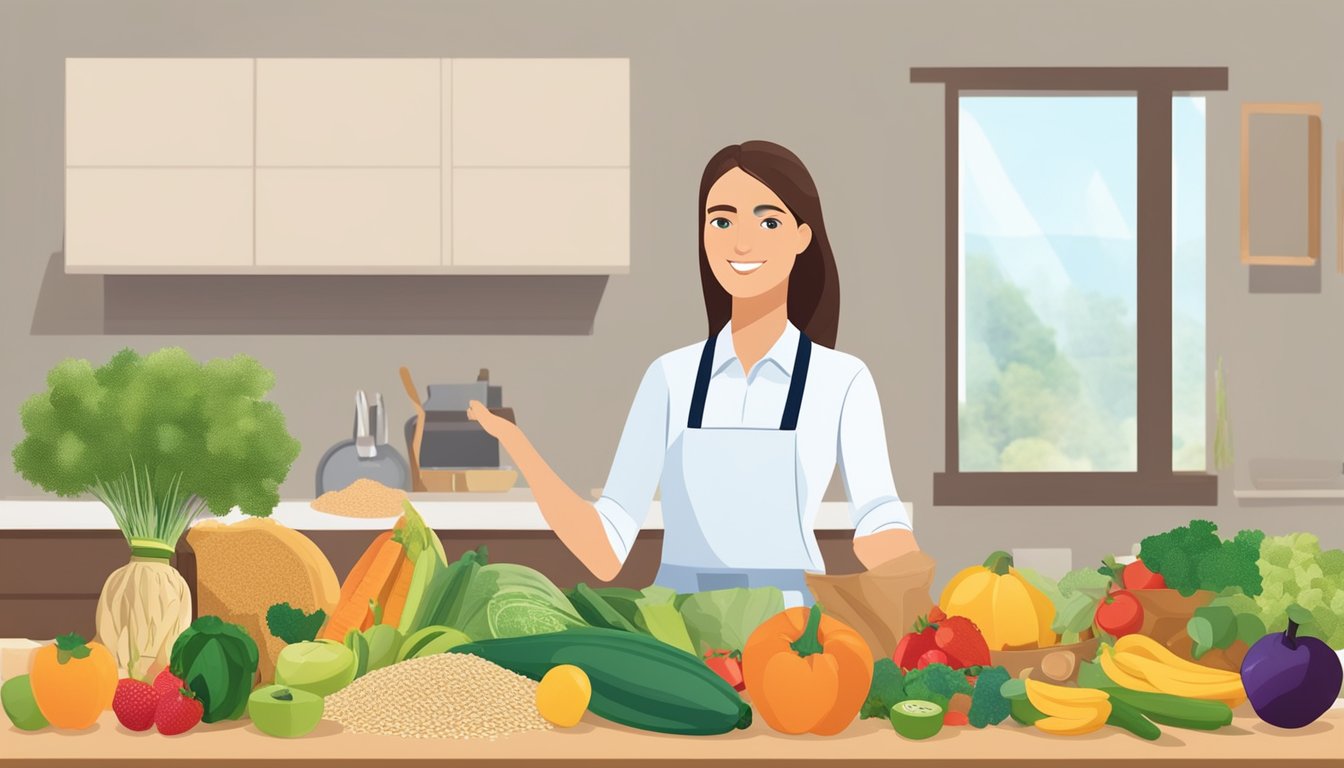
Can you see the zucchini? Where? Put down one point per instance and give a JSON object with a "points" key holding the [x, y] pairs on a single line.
{"points": [[1131, 719], [1024, 712], [1176, 711], [637, 681]]}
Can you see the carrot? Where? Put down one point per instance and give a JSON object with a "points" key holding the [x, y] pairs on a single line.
{"points": [[356, 574], [396, 596], [353, 608]]}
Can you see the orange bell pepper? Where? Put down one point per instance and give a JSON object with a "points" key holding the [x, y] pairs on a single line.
{"points": [[807, 673]]}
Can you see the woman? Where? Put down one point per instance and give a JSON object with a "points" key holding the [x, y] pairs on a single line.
{"points": [[743, 429]]}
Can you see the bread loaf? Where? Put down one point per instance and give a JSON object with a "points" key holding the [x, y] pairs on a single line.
{"points": [[244, 568]]}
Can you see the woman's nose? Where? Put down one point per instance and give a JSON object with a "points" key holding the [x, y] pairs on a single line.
{"points": [[742, 246]]}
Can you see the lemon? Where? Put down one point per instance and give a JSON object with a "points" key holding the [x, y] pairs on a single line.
{"points": [[563, 695]]}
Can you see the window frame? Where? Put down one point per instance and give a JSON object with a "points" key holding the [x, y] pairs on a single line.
{"points": [[1153, 482]]}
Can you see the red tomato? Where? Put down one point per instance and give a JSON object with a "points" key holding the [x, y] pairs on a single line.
{"points": [[1137, 576], [1119, 614], [728, 665]]}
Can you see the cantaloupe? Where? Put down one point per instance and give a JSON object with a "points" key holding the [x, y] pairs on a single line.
{"points": [[244, 568]]}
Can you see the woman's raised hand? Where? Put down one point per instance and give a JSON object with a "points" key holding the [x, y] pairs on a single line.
{"points": [[495, 426]]}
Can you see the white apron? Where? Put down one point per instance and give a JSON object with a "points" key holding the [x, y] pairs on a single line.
{"points": [[731, 513]]}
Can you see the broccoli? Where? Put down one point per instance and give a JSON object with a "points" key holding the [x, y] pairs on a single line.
{"points": [[937, 683], [1192, 558], [887, 690], [293, 625], [1088, 581], [988, 706]]}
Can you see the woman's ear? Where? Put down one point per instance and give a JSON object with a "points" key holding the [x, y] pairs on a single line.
{"points": [[804, 237]]}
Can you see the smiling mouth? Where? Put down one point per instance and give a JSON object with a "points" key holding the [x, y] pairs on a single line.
{"points": [[745, 267]]}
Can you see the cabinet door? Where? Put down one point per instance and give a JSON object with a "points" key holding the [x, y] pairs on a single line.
{"points": [[158, 112], [549, 218], [334, 219], [348, 112], [541, 112], [158, 220]]}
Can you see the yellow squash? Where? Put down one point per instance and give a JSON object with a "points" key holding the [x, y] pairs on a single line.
{"points": [[1009, 611]]}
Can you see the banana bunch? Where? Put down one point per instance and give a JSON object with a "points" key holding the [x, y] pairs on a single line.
{"points": [[1140, 663], [1068, 711]]}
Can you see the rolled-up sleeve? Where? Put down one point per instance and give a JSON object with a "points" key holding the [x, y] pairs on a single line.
{"points": [[638, 465], [864, 463]]}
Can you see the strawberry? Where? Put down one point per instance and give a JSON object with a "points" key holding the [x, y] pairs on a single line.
{"points": [[135, 703], [960, 639], [914, 645], [934, 656], [178, 712], [167, 683]]}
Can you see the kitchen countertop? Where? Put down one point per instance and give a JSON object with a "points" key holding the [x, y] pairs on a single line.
{"points": [[1246, 742], [514, 510]]}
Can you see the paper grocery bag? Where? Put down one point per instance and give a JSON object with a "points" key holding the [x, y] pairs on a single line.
{"points": [[880, 604]]}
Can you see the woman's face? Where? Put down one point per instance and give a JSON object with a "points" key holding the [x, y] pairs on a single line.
{"points": [[751, 237]]}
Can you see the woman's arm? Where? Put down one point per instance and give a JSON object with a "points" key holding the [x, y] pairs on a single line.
{"points": [[882, 529], [574, 520]]}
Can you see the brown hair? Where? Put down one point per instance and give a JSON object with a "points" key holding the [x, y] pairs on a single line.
{"points": [[814, 285]]}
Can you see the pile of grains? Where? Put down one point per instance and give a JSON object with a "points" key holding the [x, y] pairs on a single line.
{"points": [[445, 696], [362, 498]]}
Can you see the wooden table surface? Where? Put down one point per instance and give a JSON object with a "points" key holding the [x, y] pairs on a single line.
{"points": [[1247, 742]]}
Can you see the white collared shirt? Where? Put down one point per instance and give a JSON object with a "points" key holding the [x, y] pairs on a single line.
{"points": [[840, 421]]}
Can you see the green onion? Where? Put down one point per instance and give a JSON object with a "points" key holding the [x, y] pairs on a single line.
{"points": [[152, 520]]}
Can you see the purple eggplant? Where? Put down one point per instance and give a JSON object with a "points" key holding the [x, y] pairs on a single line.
{"points": [[1291, 680]]}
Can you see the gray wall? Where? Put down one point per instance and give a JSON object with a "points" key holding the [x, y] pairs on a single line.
{"points": [[829, 80]]}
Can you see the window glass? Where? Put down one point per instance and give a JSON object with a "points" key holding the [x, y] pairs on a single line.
{"points": [[1188, 382], [1047, 290]]}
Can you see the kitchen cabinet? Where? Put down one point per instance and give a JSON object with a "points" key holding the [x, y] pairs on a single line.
{"points": [[348, 219], [158, 112], [348, 112], [541, 112], [152, 219], [347, 166], [541, 217]]}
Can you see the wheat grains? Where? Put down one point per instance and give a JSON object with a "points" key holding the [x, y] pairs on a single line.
{"points": [[447, 696], [362, 498]]}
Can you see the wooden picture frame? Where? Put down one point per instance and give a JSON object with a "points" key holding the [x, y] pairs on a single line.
{"points": [[1312, 112]]}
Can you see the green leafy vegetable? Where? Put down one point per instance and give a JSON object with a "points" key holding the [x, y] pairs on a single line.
{"points": [[886, 691], [216, 660], [937, 683], [1075, 597], [511, 598], [658, 617], [1295, 570], [158, 438], [988, 705], [725, 618], [1192, 558], [293, 625]]}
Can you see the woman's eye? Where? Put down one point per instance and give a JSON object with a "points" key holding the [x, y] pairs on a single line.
{"points": [[770, 224], [720, 223]]}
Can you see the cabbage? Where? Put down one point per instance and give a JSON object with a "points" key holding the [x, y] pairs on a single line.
{"points": [[725, 618], [533, 603]]}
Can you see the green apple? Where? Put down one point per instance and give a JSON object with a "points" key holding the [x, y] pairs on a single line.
{"points": [[17, 698], [323, 667], [285, 712]]}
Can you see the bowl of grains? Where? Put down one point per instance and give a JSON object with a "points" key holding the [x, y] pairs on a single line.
{"points": [[444, 696], [362, 498]]}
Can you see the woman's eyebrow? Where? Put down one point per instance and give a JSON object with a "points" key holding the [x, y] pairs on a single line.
{"points": [[727, 208], [762, 208]]}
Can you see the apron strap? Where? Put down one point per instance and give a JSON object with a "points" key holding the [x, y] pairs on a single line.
{"points": [[797, 383], [701, 390]]}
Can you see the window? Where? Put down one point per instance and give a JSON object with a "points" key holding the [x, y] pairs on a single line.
{"points": [[1075, 269]]}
